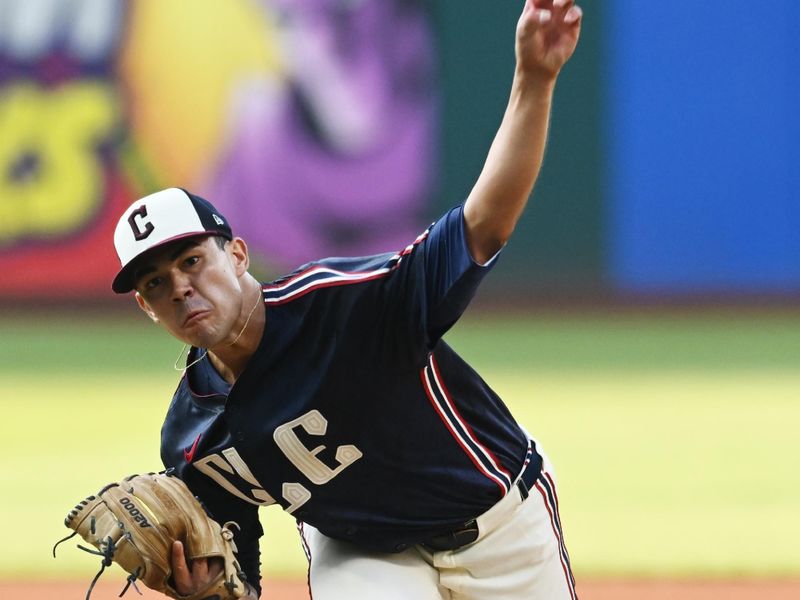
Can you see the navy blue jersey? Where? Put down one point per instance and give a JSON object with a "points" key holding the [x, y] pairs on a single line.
{"points": [[353, 414]]}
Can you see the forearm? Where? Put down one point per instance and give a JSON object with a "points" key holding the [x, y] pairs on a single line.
{"points": [[547, 33], [511, 168]]}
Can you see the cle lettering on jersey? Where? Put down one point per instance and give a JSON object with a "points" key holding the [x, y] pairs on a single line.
{"points": [[231, 472]]}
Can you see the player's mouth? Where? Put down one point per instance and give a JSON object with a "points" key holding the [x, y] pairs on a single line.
{"points": [[195, 316]]}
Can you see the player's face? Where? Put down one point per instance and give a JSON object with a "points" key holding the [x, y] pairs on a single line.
{"points": [[193, 288]]}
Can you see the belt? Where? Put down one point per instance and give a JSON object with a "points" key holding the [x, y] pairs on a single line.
{"points": [[468, 532]]}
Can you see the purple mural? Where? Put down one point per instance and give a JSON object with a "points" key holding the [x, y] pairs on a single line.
{"points": [[335, 154]]}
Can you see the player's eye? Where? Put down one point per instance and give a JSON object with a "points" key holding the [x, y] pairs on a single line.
{"points": [[191, 260], [153, 283]]}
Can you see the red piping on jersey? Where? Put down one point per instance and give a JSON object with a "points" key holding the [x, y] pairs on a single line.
{"points": [[467, 450], [497, 464], [316, 286], [191, 390], [379, 273], [318, 268]]}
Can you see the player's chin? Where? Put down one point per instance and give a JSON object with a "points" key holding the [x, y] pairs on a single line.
{"points": [[196, 335], [200, 340], [205, 336]]}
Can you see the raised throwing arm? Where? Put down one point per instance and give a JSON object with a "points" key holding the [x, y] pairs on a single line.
{"points": [[546, 36]]}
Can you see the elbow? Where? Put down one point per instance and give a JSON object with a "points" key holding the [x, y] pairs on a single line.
{"points": [[484, 243], [501, 236], [483, 250], [487, 232], [497, 236]]}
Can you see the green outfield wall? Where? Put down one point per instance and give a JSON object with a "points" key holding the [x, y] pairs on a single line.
{"points": [[559, 242]]}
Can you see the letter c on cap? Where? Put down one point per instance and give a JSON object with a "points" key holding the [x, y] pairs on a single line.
{"points": [[138, 233]]}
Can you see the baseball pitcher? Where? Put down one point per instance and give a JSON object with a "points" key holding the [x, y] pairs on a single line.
{"points": [[331, 393]]}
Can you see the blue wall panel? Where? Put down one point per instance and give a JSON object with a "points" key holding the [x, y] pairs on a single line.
{"points": [[704, 140]]}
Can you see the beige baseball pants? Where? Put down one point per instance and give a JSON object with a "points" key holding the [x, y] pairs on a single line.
{"points": [[519, 554]]}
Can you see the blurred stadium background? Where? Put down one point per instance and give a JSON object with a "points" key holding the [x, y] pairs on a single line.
{"points": [[643, 322]]}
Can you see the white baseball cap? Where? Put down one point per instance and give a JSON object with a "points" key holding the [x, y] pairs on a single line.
{"points": [[158, 219]]}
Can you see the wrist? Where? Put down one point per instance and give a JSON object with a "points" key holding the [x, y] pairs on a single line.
{"points": [[536, 82], [532, 92]]}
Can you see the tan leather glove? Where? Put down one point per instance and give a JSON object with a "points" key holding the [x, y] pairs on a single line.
{"points": [[134, 523]]}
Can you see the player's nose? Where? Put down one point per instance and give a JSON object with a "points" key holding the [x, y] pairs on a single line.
{"points": [[181, 285]]}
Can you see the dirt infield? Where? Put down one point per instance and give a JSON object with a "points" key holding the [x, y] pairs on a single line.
{"points": [[588, 590], [673, 590]]}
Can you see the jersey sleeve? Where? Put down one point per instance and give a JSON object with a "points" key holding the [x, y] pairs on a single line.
{"points": [[436, 278], [394, 305]]}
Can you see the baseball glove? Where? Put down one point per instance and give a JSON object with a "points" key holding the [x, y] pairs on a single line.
{"points": [[134, 523]]}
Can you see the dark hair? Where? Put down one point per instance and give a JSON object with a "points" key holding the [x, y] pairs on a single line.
{"points": [[221, 241]]}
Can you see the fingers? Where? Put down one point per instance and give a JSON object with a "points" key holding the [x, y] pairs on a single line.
{"points": [[180, 570], [215, 567], [566, 11], [573, 15], [544, 11], [189, 580], [547, 34], [199, 572]]}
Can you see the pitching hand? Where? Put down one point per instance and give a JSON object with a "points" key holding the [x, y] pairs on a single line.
{"points": [[547, 33]]}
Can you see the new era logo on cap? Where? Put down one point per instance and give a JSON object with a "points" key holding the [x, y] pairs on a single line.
{"points": [[160, 218]]}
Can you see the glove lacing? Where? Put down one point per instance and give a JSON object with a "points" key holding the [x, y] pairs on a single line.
{"points": [[107, 554], [109, 547]]}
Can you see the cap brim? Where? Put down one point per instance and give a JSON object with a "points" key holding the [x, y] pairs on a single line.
{"points": [[124, 282]]}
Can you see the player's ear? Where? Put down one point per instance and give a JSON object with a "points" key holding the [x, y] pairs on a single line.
{"points": [[237, 249], [144, 306]]}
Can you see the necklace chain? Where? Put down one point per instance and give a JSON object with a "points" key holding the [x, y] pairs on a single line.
{"points": [[202, 356]]}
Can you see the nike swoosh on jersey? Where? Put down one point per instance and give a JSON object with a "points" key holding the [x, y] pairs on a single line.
{"points": [[189, 454]]}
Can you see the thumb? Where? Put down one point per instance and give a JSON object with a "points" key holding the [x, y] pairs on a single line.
{"points": [[180, 570]]}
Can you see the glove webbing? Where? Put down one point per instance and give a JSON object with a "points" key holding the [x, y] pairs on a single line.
{"points": [[108, 560]]}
